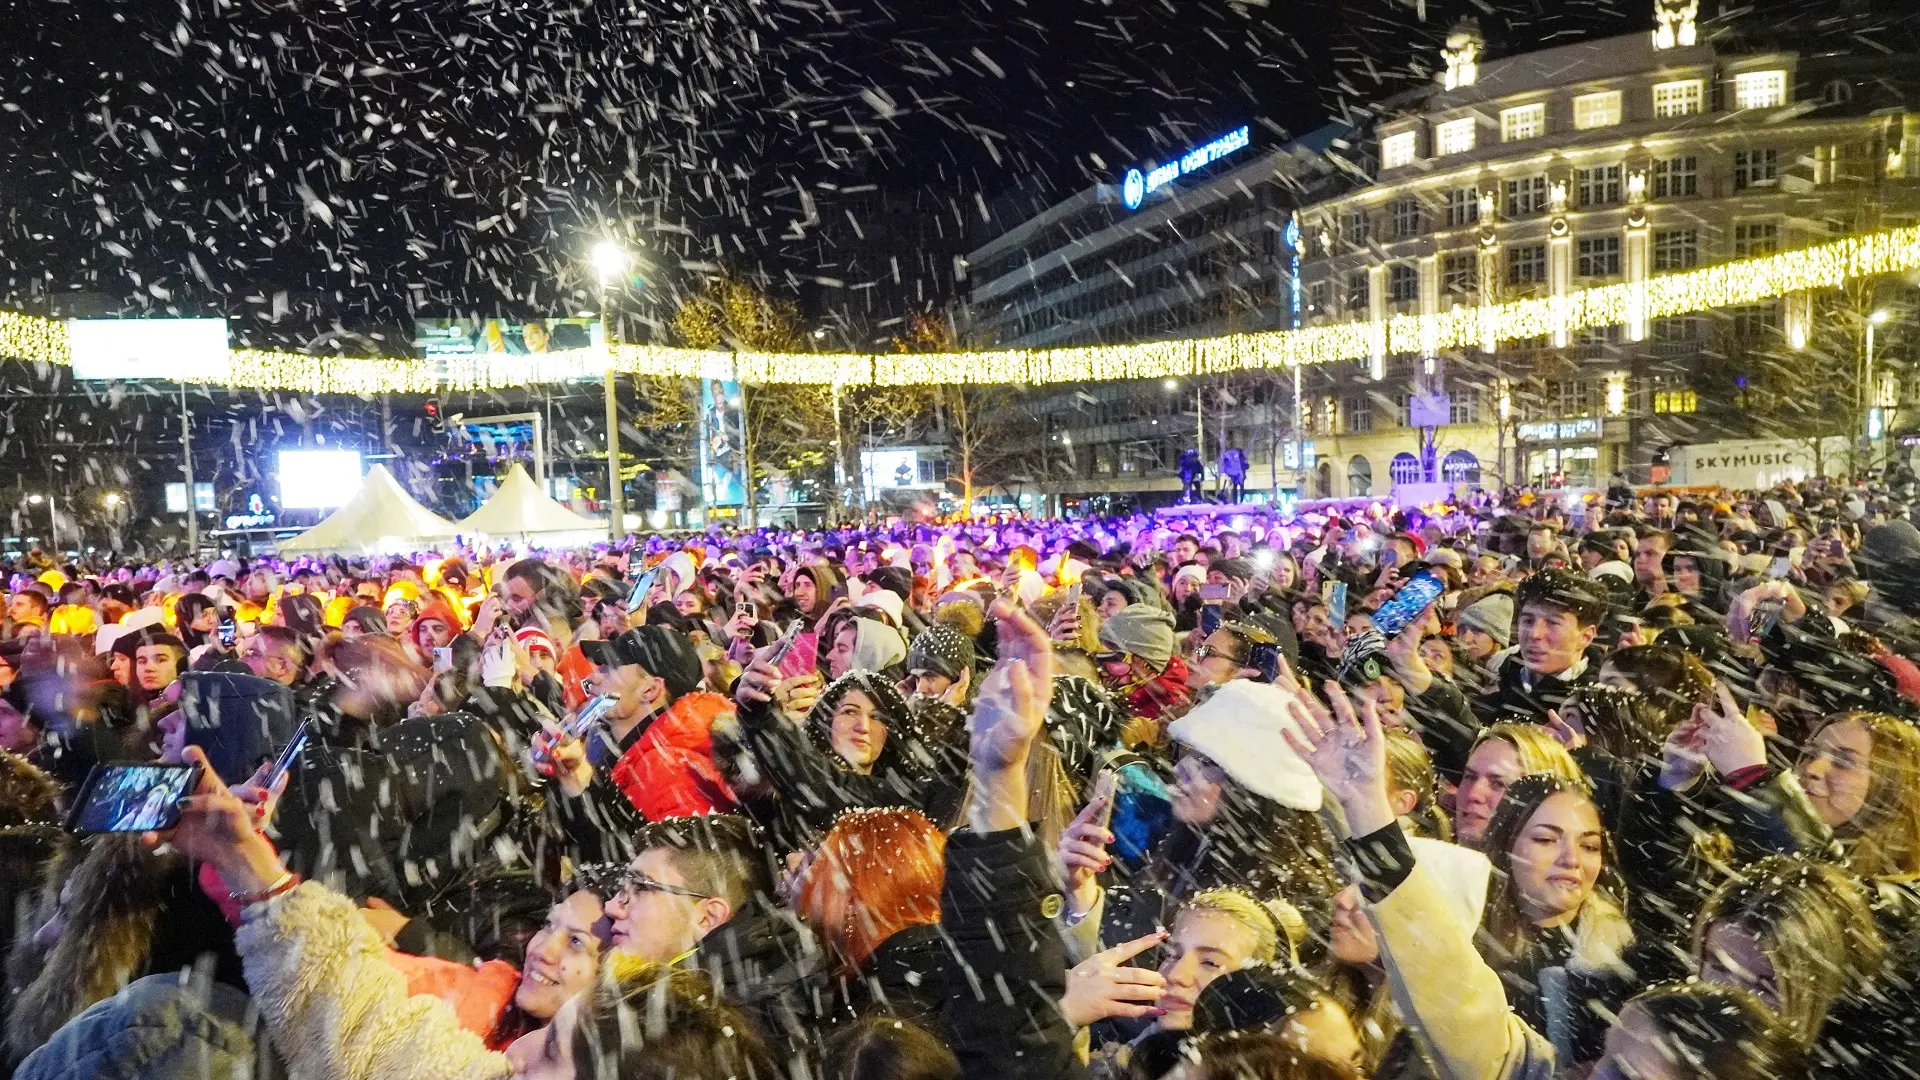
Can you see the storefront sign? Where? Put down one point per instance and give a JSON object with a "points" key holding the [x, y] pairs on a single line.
{"points": [[1135, 188], [1587, 427]]}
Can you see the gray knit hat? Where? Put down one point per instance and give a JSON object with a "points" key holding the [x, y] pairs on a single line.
{"points": [[1143, 630], [942, 650], [1492, 615]]}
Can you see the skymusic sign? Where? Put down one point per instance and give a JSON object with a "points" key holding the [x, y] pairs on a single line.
{"points": [[1135, 188]]}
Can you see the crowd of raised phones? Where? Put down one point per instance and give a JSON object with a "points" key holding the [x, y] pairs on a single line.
{"points": [[1628, 788]]}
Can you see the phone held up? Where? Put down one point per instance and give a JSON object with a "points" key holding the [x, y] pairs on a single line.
{"points": [[132, 798]]}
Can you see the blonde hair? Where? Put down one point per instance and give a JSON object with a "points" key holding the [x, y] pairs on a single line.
{"points": [[1410, 768], [1883, 839], [1245, 910], [1539, 751]]}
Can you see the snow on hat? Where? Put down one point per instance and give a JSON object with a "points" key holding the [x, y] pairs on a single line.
{"points": [[1240, 727], [1492, 615], [224, 568], [941, 649], [139, 617], [104, 638]]}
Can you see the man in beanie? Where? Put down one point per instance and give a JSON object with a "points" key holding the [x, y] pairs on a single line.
{"points": [[1139, 662], [940, 665], [1484, 628], [659, 730]]}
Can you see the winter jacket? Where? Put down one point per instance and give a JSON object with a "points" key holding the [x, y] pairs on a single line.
{"points": [[1007, 965], [336, 1008], [668, 770], [766, 963], [156, 1028], [1520, 695]]}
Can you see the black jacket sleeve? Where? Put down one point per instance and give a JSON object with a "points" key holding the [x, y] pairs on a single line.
{"points": [[1009, 964], [1447, 726]]}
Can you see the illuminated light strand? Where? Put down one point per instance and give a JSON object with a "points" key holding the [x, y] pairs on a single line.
{"points": [[1731, 284]]}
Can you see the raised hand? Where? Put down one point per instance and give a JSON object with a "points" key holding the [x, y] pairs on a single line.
{"points": [[1403, 650], [1083, 855], [1008, 714], [1347, 750], [1105, 985], [217, 827], [1728, 741]]}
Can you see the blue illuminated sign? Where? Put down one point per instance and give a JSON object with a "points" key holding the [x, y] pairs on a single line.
{"points": [[1135, 188]]}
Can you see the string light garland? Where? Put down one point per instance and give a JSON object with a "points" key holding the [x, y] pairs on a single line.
{"points": [[1731, 284]]}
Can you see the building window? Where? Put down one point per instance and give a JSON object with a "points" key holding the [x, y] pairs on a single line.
{"points": [[1752, 321], [1359, 413], [1524, 122], [1319, 296], [1755, 238], [1463, 206], [1359, 297], [1359, 476], [1611, 334], [1676, 249], [1397, 150], [1405, 469], [1460, 273], [1403, 283], [1598, 186], [1596, 110], [1404, 217], [1671, 394], [1526, 264], [1356, 227], [1682, 98], [1676, 177], [1600, 257], [1463, 405], [1677, 328], [1759, 89], [1755, 168], [1569, 397], [1402, 408], [1453, 137], [1527, 195]]}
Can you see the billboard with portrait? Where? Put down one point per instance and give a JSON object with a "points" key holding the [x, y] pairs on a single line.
{"points": [[723, 444], [503, 337]]}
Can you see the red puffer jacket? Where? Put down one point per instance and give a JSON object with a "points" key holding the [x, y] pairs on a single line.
{"points": [[669, 770]]}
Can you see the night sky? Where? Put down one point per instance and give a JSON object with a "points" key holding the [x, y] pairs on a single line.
{"points": [[302, 166]]}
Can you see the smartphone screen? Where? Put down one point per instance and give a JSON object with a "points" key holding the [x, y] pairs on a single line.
{"points": [[785, 645], [443, 658], [291, 754], [1337, 604], [1782, 566], [637, 599], [1213, 594], [1421, 590], [229, 631], [132, 798]]}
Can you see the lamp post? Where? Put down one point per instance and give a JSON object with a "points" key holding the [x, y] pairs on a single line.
{"points": [[53, 519], [610, 262], [1877, 319]]}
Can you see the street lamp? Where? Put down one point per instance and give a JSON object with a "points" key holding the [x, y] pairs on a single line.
{"points": [[1869, 406], [53, 518], [610, 263]]}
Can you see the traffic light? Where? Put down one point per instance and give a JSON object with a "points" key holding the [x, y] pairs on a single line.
{"points": [[434, 417]]}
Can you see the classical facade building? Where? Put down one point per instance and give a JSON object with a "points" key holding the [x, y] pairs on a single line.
{"points": [[1608, 161]]}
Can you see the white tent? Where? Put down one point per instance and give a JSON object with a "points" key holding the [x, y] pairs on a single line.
{"points": [[519, 508], [381, 518]]}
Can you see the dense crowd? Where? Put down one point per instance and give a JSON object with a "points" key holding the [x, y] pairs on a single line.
{"points": [[1627, 788]]}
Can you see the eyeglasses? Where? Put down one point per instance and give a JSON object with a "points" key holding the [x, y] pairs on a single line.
{"points": [[1205, 651], [633, 881]]}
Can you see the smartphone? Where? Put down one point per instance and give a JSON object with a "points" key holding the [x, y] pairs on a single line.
{"points": [[637, 599], [229, 631], [443, 658], [1073, 595], [785, 645], [1781, 567], [1420, 591], [1337, 604], [1103, 788], [132, 798], [284, 763], [1766, 616], [1213, 594]]}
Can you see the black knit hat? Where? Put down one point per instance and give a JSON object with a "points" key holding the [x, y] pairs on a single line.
{"points": [[940, 650]]}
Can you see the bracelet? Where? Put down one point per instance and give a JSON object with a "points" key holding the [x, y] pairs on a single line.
{"points": [[285, 883]]}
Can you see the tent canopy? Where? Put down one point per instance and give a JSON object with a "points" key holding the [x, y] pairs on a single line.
{"points": [[381, 518], [519, 508]]}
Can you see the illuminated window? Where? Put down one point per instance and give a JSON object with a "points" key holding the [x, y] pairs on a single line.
{"points": [[1598, 186], [1755, 238], [1524, 122], [1676, 177], [1596, 110], [1759, 89], [1527, 196], [1463, 206], [1453, 137], [1679, 98], [1671, 394], [1755, 168], [1676, 249], [1600, 256], [1397, 150]]}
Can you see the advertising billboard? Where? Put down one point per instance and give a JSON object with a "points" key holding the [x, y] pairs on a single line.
{"points": [[723, 444], [182, 350], [318, 479], [508, 337], [203, 499]]}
